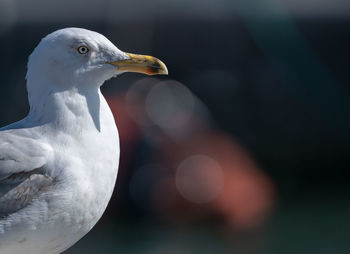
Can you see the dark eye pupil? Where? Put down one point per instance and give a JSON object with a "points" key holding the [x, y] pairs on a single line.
{"points": [[83, 50]]}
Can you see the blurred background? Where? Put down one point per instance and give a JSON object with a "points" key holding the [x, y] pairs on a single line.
{"points": [[243, 148]]}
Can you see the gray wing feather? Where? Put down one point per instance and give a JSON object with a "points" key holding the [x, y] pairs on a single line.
{"points": [[22, 174], [21, 154], [22, 194]]}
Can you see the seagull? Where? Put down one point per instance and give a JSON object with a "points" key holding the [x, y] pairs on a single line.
{"points": [[58, 165]]}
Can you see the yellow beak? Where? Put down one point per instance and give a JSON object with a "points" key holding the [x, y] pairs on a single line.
{"points": [[140, 63]]}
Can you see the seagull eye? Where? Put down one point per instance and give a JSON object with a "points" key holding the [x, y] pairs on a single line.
{"points": [[83, 50]]}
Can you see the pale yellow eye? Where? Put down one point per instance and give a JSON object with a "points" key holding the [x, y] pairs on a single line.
{"points": [[83, 50]]}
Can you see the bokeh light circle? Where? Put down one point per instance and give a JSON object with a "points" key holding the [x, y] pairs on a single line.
{"points": [[169, 104], [199, 179], [135, 100]]}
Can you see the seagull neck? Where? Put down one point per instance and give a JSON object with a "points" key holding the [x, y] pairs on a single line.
{"points": [[68, 109]]}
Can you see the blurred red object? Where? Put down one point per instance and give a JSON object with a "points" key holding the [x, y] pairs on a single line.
{"points": [[215, 165], [247, 195]]}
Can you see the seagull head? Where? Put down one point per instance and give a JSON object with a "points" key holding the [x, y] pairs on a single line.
{"points": [[75, 57]]}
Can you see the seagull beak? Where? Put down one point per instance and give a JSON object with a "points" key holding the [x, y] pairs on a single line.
{"points": [[142, 64]]}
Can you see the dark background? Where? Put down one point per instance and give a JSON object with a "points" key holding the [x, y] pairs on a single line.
{"points": [[262, 90]]}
